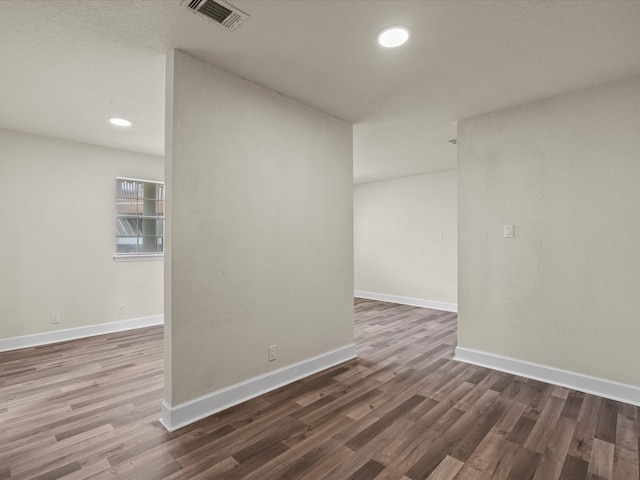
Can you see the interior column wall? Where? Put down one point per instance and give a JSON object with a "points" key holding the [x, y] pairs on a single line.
{"points": [[260, 224]]}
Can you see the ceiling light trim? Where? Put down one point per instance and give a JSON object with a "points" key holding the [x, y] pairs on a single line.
{"points": [[120, 122], [393, 36]]}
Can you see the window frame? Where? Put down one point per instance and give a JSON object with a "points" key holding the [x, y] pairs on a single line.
{"points": [[146, 211]]}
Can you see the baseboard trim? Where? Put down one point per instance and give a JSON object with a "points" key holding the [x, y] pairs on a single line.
{"points": [[620, 392], [186, 413], [46, 338], [414, 302]]}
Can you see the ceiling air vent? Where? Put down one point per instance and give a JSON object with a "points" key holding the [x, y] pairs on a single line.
{"points": [[220, 12]]}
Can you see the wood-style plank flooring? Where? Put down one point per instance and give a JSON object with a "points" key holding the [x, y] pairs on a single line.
{"points": [[403, 410]]}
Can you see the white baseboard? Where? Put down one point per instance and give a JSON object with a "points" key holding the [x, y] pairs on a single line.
{"points": [[620, 392], [46, 338], [186, 413], [414, 302]]}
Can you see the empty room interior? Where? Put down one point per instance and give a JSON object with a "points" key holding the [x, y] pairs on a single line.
{"points": [[250, 239]]}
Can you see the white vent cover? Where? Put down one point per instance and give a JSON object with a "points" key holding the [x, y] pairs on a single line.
{"points": [[219, 11]]}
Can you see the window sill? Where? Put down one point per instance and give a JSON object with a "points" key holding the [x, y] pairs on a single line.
{"points": [[144, 257]]}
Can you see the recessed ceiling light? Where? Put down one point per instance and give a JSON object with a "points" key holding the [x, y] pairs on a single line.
{"points": [[121, 122], [393, 36]]}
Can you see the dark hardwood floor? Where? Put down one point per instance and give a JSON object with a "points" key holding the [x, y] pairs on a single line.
{"points": [[403, 410]]}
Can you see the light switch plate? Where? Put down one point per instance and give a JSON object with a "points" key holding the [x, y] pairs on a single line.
{"points": [[509, 231]]}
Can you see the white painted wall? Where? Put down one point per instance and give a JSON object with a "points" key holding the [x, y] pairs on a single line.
{"points": [[397, 249], [564, 292], [57, 209], [261, 238]]}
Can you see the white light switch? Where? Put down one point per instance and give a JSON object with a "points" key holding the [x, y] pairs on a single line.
{"points": [[509, 231]]}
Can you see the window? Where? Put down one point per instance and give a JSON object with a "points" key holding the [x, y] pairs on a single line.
{"points": [[139, 219]]}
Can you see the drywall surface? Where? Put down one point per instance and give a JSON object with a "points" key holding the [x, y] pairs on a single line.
{"points": [[261, 230], [405, 237], [564, 291], [57, 208]]}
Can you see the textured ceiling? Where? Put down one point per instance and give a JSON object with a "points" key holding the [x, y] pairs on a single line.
{"points": [[69, 65]]}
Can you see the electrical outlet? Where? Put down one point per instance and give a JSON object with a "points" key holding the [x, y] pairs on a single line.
{"points": [[55, 318], [120, 309], [271, 352], [440, 235]]}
